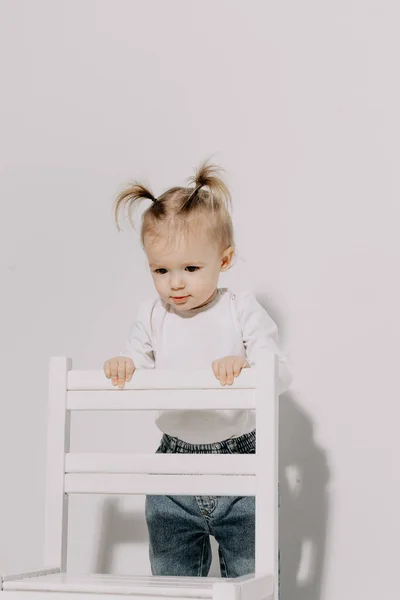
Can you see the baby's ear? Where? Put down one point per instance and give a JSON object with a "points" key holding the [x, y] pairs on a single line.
{"points": [[226, 258]]}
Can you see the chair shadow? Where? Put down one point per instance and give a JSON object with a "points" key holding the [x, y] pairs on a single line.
{"points": [[117, 527], [304, 475], [304, 504]]}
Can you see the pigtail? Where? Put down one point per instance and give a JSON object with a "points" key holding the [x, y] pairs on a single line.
{"points": [[207, 176], [132, 196], [208, 198]]}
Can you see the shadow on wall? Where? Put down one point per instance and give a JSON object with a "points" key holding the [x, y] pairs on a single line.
{"points": [[117, 527], [303, 513]]}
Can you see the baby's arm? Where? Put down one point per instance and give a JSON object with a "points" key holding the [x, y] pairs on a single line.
{"points": [[139, 344], [260, 333], [138, 352]]}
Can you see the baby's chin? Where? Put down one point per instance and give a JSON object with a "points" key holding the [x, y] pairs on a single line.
{"points": [[189, 303], [186, 306], [182, 306]]}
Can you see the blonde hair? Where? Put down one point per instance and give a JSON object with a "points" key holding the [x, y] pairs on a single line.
{"points": [[208, 201]]}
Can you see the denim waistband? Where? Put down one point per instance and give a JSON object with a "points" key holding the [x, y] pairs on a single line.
{"points": [[244, 444]]}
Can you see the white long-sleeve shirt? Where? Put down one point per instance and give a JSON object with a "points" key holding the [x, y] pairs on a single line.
{"points": [[231, 324]]}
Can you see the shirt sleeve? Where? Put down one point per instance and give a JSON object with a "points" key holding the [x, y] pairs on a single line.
{"points": [[260, 333], [139, 343]]}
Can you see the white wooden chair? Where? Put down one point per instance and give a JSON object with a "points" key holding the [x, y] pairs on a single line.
{"points": [[170, 474]]}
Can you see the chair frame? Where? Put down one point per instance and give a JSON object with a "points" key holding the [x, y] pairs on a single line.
{"points": [[68, 473]]}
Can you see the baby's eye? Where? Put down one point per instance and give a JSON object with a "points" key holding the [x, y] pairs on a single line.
{"points": [[192, 269], [161, 271]]}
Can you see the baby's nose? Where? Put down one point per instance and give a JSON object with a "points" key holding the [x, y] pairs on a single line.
{"points": [[177, 283]]}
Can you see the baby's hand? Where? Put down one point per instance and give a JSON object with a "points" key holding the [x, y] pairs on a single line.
{"points": [[120, 369], [225, 369]]}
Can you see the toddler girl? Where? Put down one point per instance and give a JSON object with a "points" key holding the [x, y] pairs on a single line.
{"points": [[191, 323]]}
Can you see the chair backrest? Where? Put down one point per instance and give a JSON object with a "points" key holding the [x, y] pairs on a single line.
{"points": [[189, 474]]}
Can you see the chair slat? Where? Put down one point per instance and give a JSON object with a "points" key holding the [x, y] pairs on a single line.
{"points": [[211, 464], [158, 379], [171, 485], [128, 399]]}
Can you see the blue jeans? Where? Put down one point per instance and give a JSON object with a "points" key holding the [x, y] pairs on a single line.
{"points": [[180, 526]]}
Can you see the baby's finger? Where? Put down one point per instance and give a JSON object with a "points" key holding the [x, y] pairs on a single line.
{"points": [[121, 373], [107, 370], [222, 373], [229, 373], [215, 368], [114, 371], [237, 366], [130, 369]]}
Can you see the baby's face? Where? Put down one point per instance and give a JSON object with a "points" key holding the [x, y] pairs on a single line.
{"points": [[186, 273]]}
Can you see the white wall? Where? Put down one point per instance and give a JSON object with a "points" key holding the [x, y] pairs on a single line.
{"points": [[299, 101]]}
